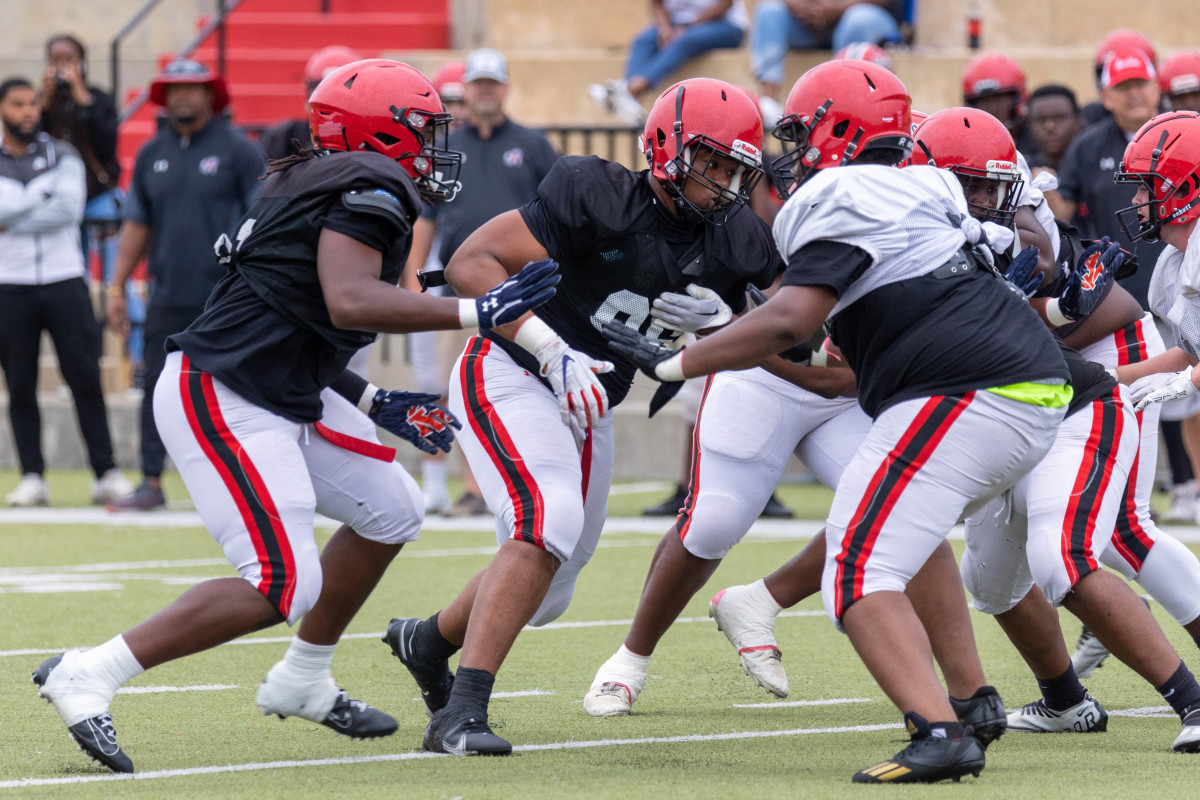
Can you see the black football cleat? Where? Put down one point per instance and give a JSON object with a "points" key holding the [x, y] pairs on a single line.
{"points": [[984, 712], [358, 720], [95, 736], [433, 675], [928, 758], [463, 735], [775, 509]]}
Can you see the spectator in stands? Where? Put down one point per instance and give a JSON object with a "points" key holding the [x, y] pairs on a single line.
{"points": [[1119, 38], [994, 83], [1179, 80], [1090, 197], [503, 163], [680, 30], [191, 183], [43, 188], [281, 140], [86, 117], [812, 25]]}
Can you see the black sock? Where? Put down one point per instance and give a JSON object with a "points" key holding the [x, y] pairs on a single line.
{"points": [[1181, 690], [947, 730], [1196, 639], [1064, 691], [431, 642], [472, 691]]}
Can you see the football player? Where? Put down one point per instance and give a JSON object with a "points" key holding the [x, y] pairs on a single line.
{"points": [[251, 425], [1179, 79], [622, 239], [995, 83], [944, 358], [1054, 527]]}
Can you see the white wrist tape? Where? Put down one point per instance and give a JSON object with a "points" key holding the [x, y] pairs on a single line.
{"points": [[671, 369], [468, 314], [368, 398], [534, 335], [1054, 313]]}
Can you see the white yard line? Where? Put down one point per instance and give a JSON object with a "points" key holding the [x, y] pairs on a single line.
{"points": [[797, 703], [412, 756], [527, 693], [212, 687], [553, 626]]}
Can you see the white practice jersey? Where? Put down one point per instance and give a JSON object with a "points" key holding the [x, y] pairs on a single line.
{"points": [[1175, 292], [905, 219]]}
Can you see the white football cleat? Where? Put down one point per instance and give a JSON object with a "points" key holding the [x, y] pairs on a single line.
{"points": [[1086, 716], [616, 685], [752, 633], [281, 693], [1188, 740], [31, 491]]}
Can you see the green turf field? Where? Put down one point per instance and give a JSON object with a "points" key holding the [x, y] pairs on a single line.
{"points": [[700, 729]]}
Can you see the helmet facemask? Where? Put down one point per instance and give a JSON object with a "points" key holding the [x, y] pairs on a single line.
{"points": [[1008, 182], [1162, 191], [435, 167]]}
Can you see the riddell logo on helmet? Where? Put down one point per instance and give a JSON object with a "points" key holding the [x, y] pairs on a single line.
{"points": [[748, 150], [985, 85], [1002, 167]]}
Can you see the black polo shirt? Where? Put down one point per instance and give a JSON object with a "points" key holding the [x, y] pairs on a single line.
{"points": [[189, 192], [498, 174], [1085, 176]]}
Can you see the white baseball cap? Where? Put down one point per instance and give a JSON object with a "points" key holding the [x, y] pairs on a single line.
{"points": [[485, 63]]}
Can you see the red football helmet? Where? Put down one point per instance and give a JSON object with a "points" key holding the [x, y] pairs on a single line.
{"points": [[975, 146], [185, 70], [690, 123], [1180, 74], [448, 81], [390, 108], [990, 74], [1122, 37], [865, 51], [1164, 156], [837, 112], [325, 61]]}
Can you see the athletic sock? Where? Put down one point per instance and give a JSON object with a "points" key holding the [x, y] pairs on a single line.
{"points": [[1181, 690], [762, 599], [112, 662], [472, 691], [433, 477], [309, 661], [626, 656], [1196, 639], [1064, 691], [430, 642], [947, 730]]}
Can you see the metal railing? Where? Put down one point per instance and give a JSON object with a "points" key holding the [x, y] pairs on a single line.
{"points": [[217, 23], [613, 144]]}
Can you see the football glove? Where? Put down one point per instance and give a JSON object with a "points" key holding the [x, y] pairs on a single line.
{"points": [[701, 308], [660, 363], [570, 373], [507, 301], [1161, 387], [1022, 275], [1086, 284], [416, 418], [757, 298]]}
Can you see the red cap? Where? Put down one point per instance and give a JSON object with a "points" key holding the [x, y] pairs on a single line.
{"points": [[448, 81], [1126, 64], [1122, 38], [185, 70]]}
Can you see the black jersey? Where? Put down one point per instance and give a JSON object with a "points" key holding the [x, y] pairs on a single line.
{"points": [[266, 332], [618, 249]]}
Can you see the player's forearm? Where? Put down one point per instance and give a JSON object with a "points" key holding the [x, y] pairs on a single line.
{"points": [[828, 382], [389, 309], [1173, 360]]}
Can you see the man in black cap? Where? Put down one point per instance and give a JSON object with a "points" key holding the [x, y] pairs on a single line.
{"points": [[191, 183]]}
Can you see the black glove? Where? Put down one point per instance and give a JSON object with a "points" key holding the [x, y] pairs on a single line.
{"points": [[645, 353], [1022, 273], [525, 291], [415, 418], [1097, 266]]}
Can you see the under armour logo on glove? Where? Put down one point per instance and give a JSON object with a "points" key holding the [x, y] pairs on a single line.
{"points": [[415, 418], [509, 300]]}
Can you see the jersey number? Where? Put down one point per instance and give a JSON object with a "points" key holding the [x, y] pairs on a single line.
{"points": [[633, 311]]}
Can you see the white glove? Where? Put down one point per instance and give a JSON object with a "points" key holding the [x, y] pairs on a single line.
{"points": [[699, 309], [571, 374], [1162, 387]]}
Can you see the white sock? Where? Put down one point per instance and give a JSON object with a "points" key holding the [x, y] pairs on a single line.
{"points": [[627, 656], [433, 476], [113, 662], [307, 660], [761, 597], [1171, 575]]}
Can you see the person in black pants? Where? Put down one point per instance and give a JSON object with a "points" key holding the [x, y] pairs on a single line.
{"points": [[191, 183], [42, 192]]}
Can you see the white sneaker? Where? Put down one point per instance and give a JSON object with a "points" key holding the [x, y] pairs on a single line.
{"points": [[282, 693], [1188, 740], [616, 685], [1089, 654], [771, 111], [752, 633], [75, 693], [1087, 716], [110, 486], [627, 108], [1183, 504], [31, 491]]}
